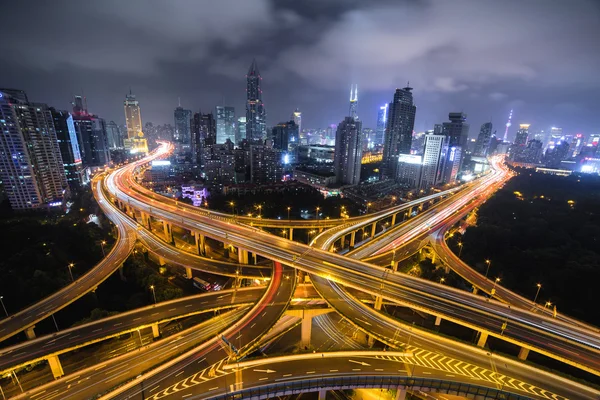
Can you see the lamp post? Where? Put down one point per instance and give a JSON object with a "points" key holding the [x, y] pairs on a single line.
{"points": [[288, 210], [259, 211], [3, 306], [442, 280], [102, 243], [232, 204], [488, 262], [494, 286], [318, 208], [368, 205], [460, 247], [153, 293], [539, 286], [71, 265]]}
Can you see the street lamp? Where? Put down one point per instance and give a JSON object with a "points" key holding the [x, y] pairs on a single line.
{"points": [[368, 205], [288, 210], [442, 280], [539, 286], [259, 211], [71, 265], [231, 203], [102, 243], [488, 262], [494, 287], [3, 306], [153, 293], [318, 208], [548, 304], [460, 246]]}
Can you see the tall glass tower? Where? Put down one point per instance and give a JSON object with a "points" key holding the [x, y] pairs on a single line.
{"points": [[255, 109]]}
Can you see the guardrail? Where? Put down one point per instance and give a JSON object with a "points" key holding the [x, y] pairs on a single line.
{"points": [[379, 382]]}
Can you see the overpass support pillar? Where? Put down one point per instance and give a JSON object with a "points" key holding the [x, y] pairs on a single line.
{"points": [[188, 273], [401, 393], [242, 256], [55, 367], [373, 228], [523, 353], [322, 394], [475, 290], [168, 230], [155, 331], [378, 302], [482, 339], [433, 257], [291, 237], [254, 257], [394, 219], [200, 247], [146, 221], [161, 261], [306, 330], [438, 320], [352, 239], [30, 333]]}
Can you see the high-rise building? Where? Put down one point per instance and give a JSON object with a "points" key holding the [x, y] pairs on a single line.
{"points": [[225, 117], [409, 169], [434, 157], [205, 134], [91, 135], [113, 134], [555, 136], [240, 131], [69, 148], [482, 145], [348, 151], [399, 130], [381, 122], [522, 135], [457, 131], [353, 101], [297, 118], [135, 142], [183, 129], [256, 129], [285, 135], [31, 166], [265, 164]]}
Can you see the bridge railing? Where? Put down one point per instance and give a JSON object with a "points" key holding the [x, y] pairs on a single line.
{"points": [[379, 382]]}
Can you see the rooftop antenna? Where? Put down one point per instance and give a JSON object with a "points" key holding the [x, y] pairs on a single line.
{"points": [[179, 99]]}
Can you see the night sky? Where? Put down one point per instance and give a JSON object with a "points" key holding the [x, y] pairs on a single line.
{"points": [[540, 57]]}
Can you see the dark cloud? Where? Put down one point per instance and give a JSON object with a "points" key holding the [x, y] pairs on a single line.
{"points": [[478, 56]]}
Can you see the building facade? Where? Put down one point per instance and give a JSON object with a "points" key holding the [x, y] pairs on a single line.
{"points": [[135, 142], [225, 117], [482, 145], [434, 156], [69, 149], [399, 129], [348, 151], [256, 128]]}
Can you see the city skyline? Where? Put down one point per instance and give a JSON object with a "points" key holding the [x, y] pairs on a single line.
{"points": [[447, 73]]}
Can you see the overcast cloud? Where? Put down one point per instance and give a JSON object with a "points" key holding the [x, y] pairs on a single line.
{"points": [[478, 56]]}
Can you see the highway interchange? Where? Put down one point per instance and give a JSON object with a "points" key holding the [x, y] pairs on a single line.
{"points": [[206, 356]]}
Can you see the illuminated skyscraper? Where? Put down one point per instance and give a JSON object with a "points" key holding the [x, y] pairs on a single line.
{"points": [[113, 133], [240, 130], [353, 101], [399, 130], [135, 141], [183, 128], [522, 135], [91, 135], [484, 138], [348, 151], [457, 131], [31, 166], [69, 148], [434, 156], [255, 109], [297, 118], [225, 117], [381, 122]]}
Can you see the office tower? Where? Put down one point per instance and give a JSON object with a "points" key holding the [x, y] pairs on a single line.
{"points": [[91, 136], [255, 109], [557, 154], [353, 101], [482, 145], [225, 117], [399, 130], [113, 134], [409, 169], [205, 134], [457, 131], [182, 136], [219, 162], [31, 166], [555, 136], [522, 135], [285, 135], [297, 118], [265, 164], [434, 157], [348, 151], [240, 131], [381, 122], [135, 142], [69, 148], [532, 154], [577, 144]]}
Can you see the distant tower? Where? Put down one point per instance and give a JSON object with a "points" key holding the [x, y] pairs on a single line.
{"points": [[133, 117], [508, 124], [353, 100], [399, 129], [255, 109], [297, 117]]}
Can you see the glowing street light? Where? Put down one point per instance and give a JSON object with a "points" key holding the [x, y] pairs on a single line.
{"points": [[232, 204], [318, 208], [494, 287], [3, 306], [153, 293], [539, 287], [71, 265], [442, 280], [102, 243], [368, 205], [488, 262], [288, 210], [460, 247]]}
